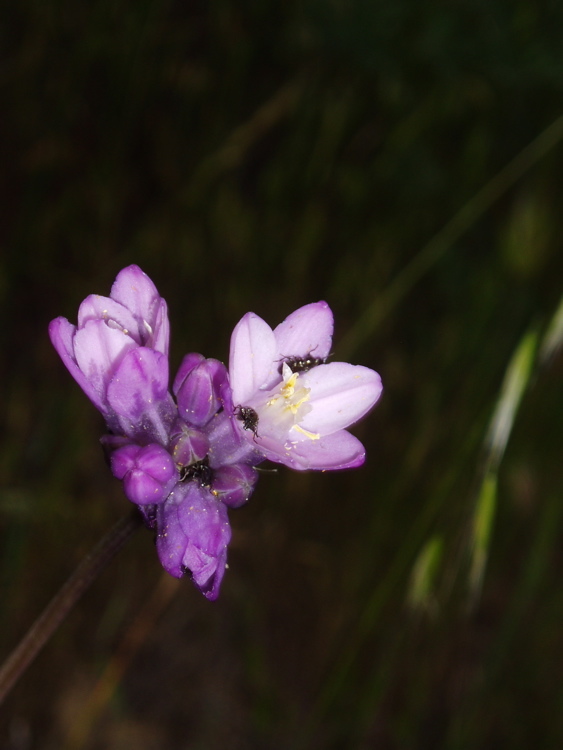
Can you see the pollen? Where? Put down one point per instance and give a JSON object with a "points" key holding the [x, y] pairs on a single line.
{"points": [[294, 397]]}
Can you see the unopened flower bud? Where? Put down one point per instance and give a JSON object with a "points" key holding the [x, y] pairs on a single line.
{"points": [[148, 473], [193, 534], [188, 445], [197, 389], [234, 484]]}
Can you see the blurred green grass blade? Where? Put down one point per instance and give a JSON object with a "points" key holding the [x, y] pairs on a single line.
{"points": [[421, 593], [482, 527], [515, 381], [553, 338]]}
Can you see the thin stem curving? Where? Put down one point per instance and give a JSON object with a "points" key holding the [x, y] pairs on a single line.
{"points": [[61, 604]]}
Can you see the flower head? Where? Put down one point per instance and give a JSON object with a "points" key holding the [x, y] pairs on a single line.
{"points": [[301, 404], [118, 354], [184, 462], [184, 490]]}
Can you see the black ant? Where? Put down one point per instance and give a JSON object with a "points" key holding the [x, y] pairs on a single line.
{"points": [[200, 470], [248, 417], [302, 364]]}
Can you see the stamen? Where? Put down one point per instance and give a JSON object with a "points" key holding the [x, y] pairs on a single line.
{"points": [[310, 435]]}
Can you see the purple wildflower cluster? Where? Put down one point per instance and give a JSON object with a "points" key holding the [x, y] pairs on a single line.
{"points": [[184, 459]]}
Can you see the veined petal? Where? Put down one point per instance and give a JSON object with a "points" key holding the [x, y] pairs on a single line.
{"points": [[187, 445], [98, 349], [141, 378], [189, 362], [107, 310], [171, 540], [233, 484], [253, 349], [340, 450], [193, 534], [135, 291], [62, 335], [197, 396], [228, 444], [204, 520], [161, 329], [340, 394], [108, 327], [308, 330], [138, 393]]}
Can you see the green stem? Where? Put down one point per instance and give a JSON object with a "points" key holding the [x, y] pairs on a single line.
{"points": [[61, 604]]}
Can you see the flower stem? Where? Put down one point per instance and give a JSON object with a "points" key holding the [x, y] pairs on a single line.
{"points": [[61, 604]]}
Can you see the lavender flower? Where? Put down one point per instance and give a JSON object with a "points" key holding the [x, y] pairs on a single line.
{"points": [[118, 354], [184, 491], [291, 405], [183, 463]]}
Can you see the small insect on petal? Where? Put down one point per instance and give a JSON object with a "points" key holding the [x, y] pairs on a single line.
{"points": [[248, 417], [302, 364]]}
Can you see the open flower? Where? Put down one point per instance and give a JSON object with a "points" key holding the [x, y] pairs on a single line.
{"points": [[291, 405], [118, 354]]}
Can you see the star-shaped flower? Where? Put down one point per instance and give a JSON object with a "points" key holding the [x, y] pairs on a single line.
{"points": [[291, 404]]}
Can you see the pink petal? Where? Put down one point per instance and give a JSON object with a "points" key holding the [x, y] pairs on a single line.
{"points": [[112, 313], [135, 291], [189, 362], [161, 329], [340, 395], [97, 349], [62, 335], [341, 450], [193, 534], [253, 349], [308, 330], [139, 384]]}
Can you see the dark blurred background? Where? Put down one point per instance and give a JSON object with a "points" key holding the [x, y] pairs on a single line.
{"points": [[401, 160]]}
